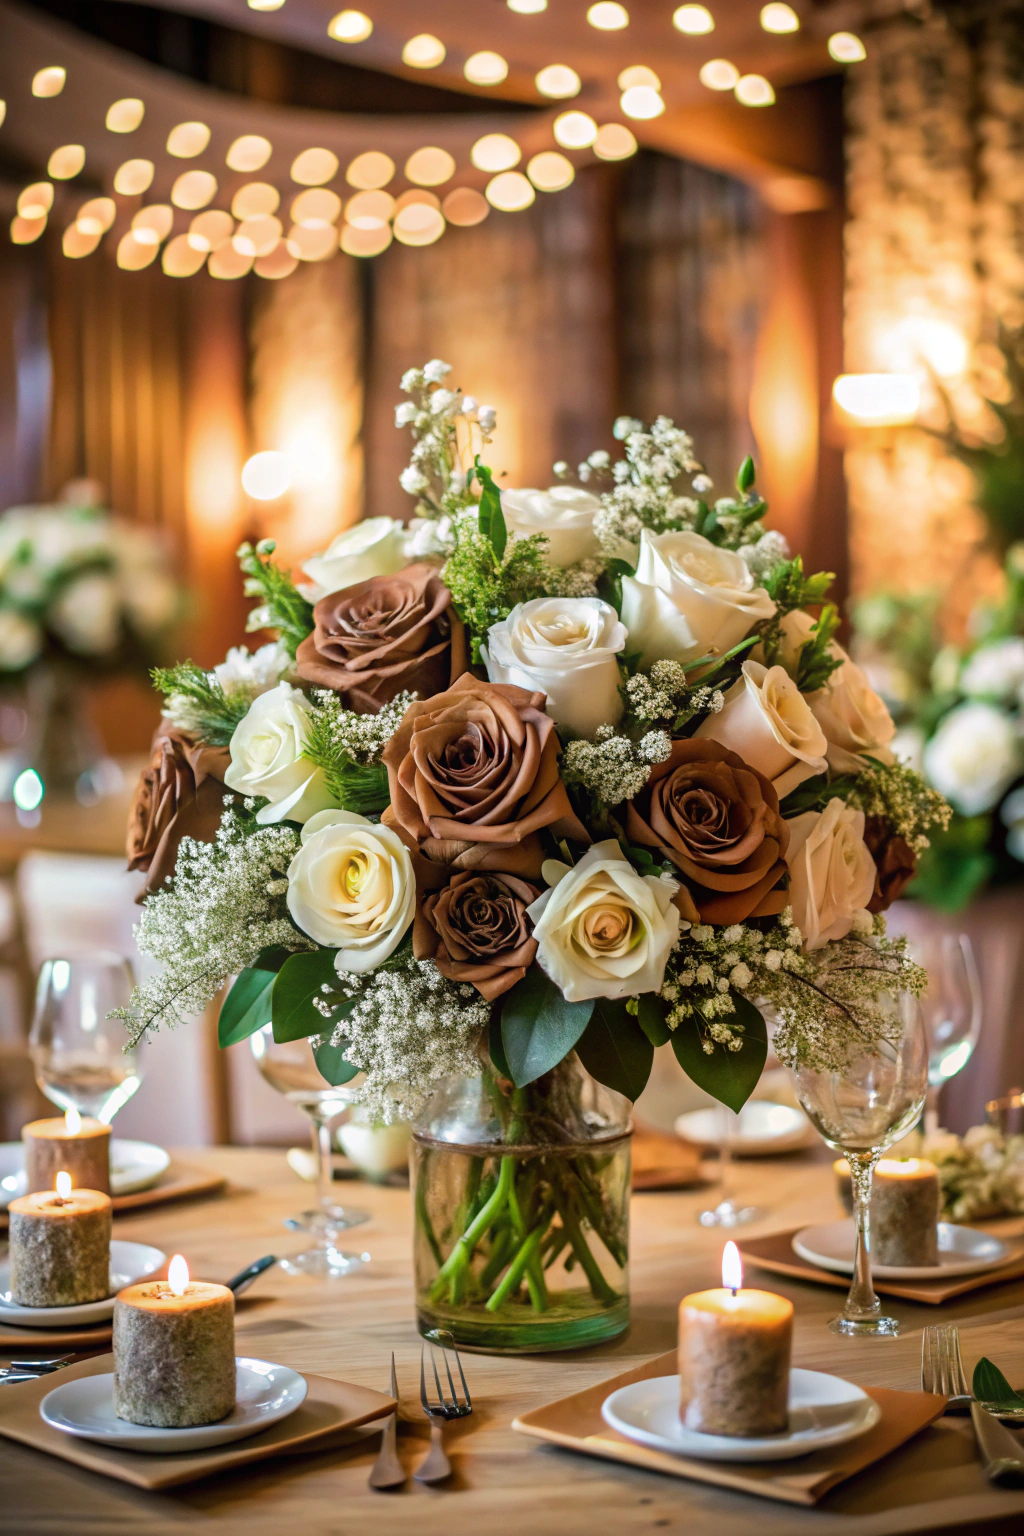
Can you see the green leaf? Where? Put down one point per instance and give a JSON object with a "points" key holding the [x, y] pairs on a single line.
{"points": [[729, 1076], [538, 1027], [614, 1050], [491, 518], [495, 1047], [745, 475], [331, 1063], [299, 981], [247, 1006], [955, 865], [651, 1018], [989, 1385]]}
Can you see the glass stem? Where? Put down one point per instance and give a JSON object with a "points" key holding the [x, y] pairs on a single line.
{"points": [[931, 1111], [862, 1303], [322, 1152], [725, 1159]]}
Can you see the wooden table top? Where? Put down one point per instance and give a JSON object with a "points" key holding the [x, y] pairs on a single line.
{"points": [[505, 1482]]}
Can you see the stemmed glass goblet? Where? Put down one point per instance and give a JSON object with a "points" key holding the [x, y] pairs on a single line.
{"points": [[861, 1111], [78, 1052], [289, 1067], [952, 1009]]}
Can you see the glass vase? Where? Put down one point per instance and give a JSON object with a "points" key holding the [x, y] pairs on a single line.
{"points": [[521, 1213]]}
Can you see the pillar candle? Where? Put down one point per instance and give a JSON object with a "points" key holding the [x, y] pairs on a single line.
{"points": [[82, 1147], [174, 1351], [734, 1352], [60, 1247], [906, 1200]]}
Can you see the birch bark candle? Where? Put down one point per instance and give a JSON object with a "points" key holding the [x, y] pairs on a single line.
{"points": [[60, 1246], [174, 1351], [906, 1200], [80, 1147], [734, 1353]]}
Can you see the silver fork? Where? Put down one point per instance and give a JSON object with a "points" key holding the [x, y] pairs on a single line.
{"points": [[387, 1471], [440, 1409], [942, 1369]]}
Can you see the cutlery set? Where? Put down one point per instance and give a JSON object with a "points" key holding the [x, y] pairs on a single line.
{"points": [[441, 1401], [942, 1371]]}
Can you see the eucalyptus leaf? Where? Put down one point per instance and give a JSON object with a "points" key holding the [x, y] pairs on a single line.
{"points": [[539, 1027], [990, 1386], [247, 1006], [729, 1076], [299, 982], [331, 1063], [615, 1050]]}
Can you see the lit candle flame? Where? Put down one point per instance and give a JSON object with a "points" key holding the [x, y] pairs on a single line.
{"points": [[72, 1121], [177, 1275], [732, 1268], [63, 1184]]}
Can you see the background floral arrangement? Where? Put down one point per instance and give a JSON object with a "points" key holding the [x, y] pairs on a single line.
{"points": [[960, 711], [578, 769], [78, 583], [981, 1173]]}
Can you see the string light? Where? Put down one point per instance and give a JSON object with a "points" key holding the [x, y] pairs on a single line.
{"points": [[754, 91], [133, 254], [365, 242], [255, 197], [608, 16], [24, 231], [349, 27], [66, 162], [550, 172], [96, 216], [416, 195], [847, 48], [76, 243], [574, 130], [277, 263], [49, 81], [265, 5], [527, 7], [194, 189], [641, 101], [3, 111], [638, 75], [719, 75], [35, 201], [369, 170], [485, 68], [317, 208], [614, 142], [424, 51], [188, 140], [249, 153], [419, 224], [511, 192], [134, 177], [429, 167], [228, 264], [694, 20], [124, 116], [180, 258], [210, 230], [465, 206], [495, 152], [313, 167], [257, 236], [369, 210], [153, 224], [558, 81], [779, 18], [312, 244]]}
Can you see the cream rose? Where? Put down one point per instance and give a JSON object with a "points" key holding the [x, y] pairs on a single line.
{"points": [[351, 886], [603, 930], [974, 757], [564, 514], [266, 758], [375, 547], [853, 717], [831, 871], [794, 632], [767, 720], [689, 598], [566, 648]]}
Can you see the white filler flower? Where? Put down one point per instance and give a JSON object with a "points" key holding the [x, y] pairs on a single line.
{"points": [[564, 514], [831, 872], [973, 757], [689, 598], [995, 671], [603, 930], [351, 887], [266, 758], [766, 719], [565, 647], [20, 640], [374, 547]]}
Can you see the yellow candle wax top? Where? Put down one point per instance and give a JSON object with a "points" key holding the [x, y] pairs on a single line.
{"points": [[46, 1202], [61, 1129], [905, 1168], [746, 1306], [157, 1296]]}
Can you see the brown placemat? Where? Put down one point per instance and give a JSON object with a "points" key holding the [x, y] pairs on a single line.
{"points": [[41, 1341], [777, 1254], [576, 1423], [330, 1407], [663, 1162], [178, 1182]]}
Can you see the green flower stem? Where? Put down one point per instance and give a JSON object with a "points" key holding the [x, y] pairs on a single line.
{"points": [[423, 1215], [602, 1291], [595, 1215], [514, 1274], [458, 1260], [497, 1258]]}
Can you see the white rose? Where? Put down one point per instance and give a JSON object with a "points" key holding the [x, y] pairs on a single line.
{"points": [[255, 673], [564, 514], [603, 930], [266, 758], [566, 648], [689, 598], [995, 671], [973, 757], [20, 640], [831, 872], [351, 886], [853, 718], [87, 615], [766, 719], [374, 547]]}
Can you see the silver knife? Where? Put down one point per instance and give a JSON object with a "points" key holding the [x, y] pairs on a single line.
{"points": [[1002, 1453], [387, 1471]]}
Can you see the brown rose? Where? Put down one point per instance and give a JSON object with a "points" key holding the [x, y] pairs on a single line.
{"points": [[476, 930], [473, 776], [381, 636], [719, 821], [895, 862], [181, 794]]}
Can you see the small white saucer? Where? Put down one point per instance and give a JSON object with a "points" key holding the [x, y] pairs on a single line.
{"points": [[823, 1410], [265, 1394], [129, 1262], [134, 1165], [962, 1251], [763, 1129]]}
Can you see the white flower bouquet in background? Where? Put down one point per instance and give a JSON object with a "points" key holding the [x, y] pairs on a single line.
{"points": [[549, 778]]}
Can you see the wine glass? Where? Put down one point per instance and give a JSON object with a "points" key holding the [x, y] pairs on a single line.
{"points": [[81, 1057], [952, 1009], [860, 1112], [289, 1067], [727, 1213]]}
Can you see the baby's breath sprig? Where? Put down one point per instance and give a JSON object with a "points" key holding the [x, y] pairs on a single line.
{"points": [[903, 799], [347, 747], [448, 430], [665, 697], [605, 772]]}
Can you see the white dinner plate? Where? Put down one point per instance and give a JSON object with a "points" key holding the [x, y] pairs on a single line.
{"points": [[823, 1410], [134, 1165], [129, 1262], [265, 1393], [962, 1251], [763, 1129]]}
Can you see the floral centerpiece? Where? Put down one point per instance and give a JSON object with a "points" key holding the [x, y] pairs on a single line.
{"points": [[520, 793]]}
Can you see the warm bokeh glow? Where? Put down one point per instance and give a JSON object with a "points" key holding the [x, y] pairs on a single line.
{"points": [[265, 5], [266, 476], [24, 231], [313, 167], [465, 206], [495, 152], [133, 177], [369, 170], [365, 242], [369, 210], [430, 166], [350, 27], [227, 264], [133, 254], [779, 18], [249, 153], [527, 7], [511, 191], [608, 16], [558, 81], [254, 198], [846, 48], [194, 189], [62, 1184], [732, 1268], [153, 224], [72, 1120], [125, 115], [258, 235], [277, 263], [66, 162], [312, 244], [96, 216], [36, 201], [550, 172], [694, 20], [188, 140], [641, 102], [485, 68], [878, 399], [614, 142], [316, 208], [638, 74], [181, 258], [208, 231], [424, 51], [49, 81], [177, 1275], [418, 224], [719, 75], [76, 242], [574, 130], [754, 91]]}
